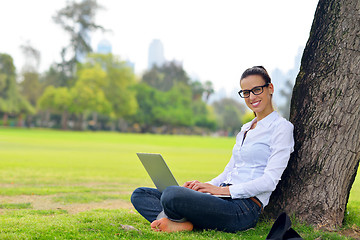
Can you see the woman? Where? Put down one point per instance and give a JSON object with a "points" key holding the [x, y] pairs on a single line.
{"points": [[259, 157]]}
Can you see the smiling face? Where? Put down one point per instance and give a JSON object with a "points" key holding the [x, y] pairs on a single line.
{"points": [[261, 104]]}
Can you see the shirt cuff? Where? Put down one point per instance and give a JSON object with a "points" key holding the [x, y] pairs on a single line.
{"points": [[237, 191]]}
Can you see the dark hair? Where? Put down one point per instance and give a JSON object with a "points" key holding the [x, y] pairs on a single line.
{"points": [[257, 70]]}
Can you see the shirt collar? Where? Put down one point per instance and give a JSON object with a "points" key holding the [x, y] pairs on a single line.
{"points": [[266, 121]]}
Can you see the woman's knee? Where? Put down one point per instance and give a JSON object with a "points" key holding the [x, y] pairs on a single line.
{"points": [[144, 192], [173, 193], [136, 194]]}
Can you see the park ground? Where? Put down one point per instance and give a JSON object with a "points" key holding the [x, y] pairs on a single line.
{"points": [[77, 185]]}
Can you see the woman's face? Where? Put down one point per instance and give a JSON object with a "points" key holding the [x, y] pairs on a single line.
{"points": [[260, 104]]}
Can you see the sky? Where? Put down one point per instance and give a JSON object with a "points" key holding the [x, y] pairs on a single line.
{"points": [[216, 40]]}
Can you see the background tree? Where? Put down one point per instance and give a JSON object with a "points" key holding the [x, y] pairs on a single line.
{"points": [[174, 107], [11, 102], [58, 101], [229, 112], [78, 20], [30, 86], [203, 115], [325, 112], [197, 90], [164, 77], [120, 80], [87, 94], [208, 89]]}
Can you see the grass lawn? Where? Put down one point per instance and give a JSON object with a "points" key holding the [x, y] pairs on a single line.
{"points": [[77, 185]]}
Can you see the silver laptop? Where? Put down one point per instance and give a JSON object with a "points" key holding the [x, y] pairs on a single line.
{"points": [[159, 172]]}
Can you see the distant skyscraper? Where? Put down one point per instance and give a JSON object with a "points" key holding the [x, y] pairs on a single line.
{"points": [[104, 47], [156, 54]]}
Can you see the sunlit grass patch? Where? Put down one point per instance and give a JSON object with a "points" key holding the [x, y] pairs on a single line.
{"points": [[30, 189], [15, 205], [352, 214], [85, 198], [47, 212], [27, 212]]}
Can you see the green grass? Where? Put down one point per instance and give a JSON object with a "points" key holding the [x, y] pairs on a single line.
{"points": [[86, 198], [15, 205], [106, 224], [92, 167]]}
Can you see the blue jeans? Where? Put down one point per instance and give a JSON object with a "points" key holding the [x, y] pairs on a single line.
{"points": [[202, 210]]}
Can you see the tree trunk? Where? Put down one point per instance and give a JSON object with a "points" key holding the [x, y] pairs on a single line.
{"points": [[112, 126], [325, 112], [5, 119], [64, 120], [45, 119], [94, 122], [79, 122], [20, 120], [122, 125], [28, 121]]}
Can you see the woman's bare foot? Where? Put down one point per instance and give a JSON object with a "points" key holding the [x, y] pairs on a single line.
{"points": [[166, 225]]}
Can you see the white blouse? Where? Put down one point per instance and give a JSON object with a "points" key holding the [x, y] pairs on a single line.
{"points": [[257, 163]]}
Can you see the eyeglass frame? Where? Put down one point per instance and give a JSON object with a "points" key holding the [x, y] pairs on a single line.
{"points": [[251, 90]]}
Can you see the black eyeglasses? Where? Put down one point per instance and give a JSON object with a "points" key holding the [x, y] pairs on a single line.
{"points": [[256, 91]]}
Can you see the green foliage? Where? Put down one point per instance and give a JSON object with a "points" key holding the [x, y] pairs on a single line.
{"points": [[119, 82], [197, 90], [204, 115], [54, 99], [247, 117], [31, 87], [174, 106], [165, 77], [56, 76], [167, 97], [146, 98], [229, 114], [87, 94], [11, 102]]}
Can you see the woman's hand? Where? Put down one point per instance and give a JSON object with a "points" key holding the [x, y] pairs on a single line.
{"points": [[190, 184], [207, 188]]}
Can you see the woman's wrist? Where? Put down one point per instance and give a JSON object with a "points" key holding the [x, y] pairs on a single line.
{"points": [[224, 191]]}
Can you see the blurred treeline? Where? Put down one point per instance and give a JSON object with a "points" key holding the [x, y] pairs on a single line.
{"points": [[105, 94], [95, 91]]}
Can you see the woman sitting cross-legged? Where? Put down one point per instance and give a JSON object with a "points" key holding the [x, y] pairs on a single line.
{"points": [[259, 157]]}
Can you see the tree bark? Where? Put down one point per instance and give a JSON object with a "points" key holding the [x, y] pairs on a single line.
{"points": [[20, 120], [79, 122], [5, 119], [325, 110], [64, 120]]}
